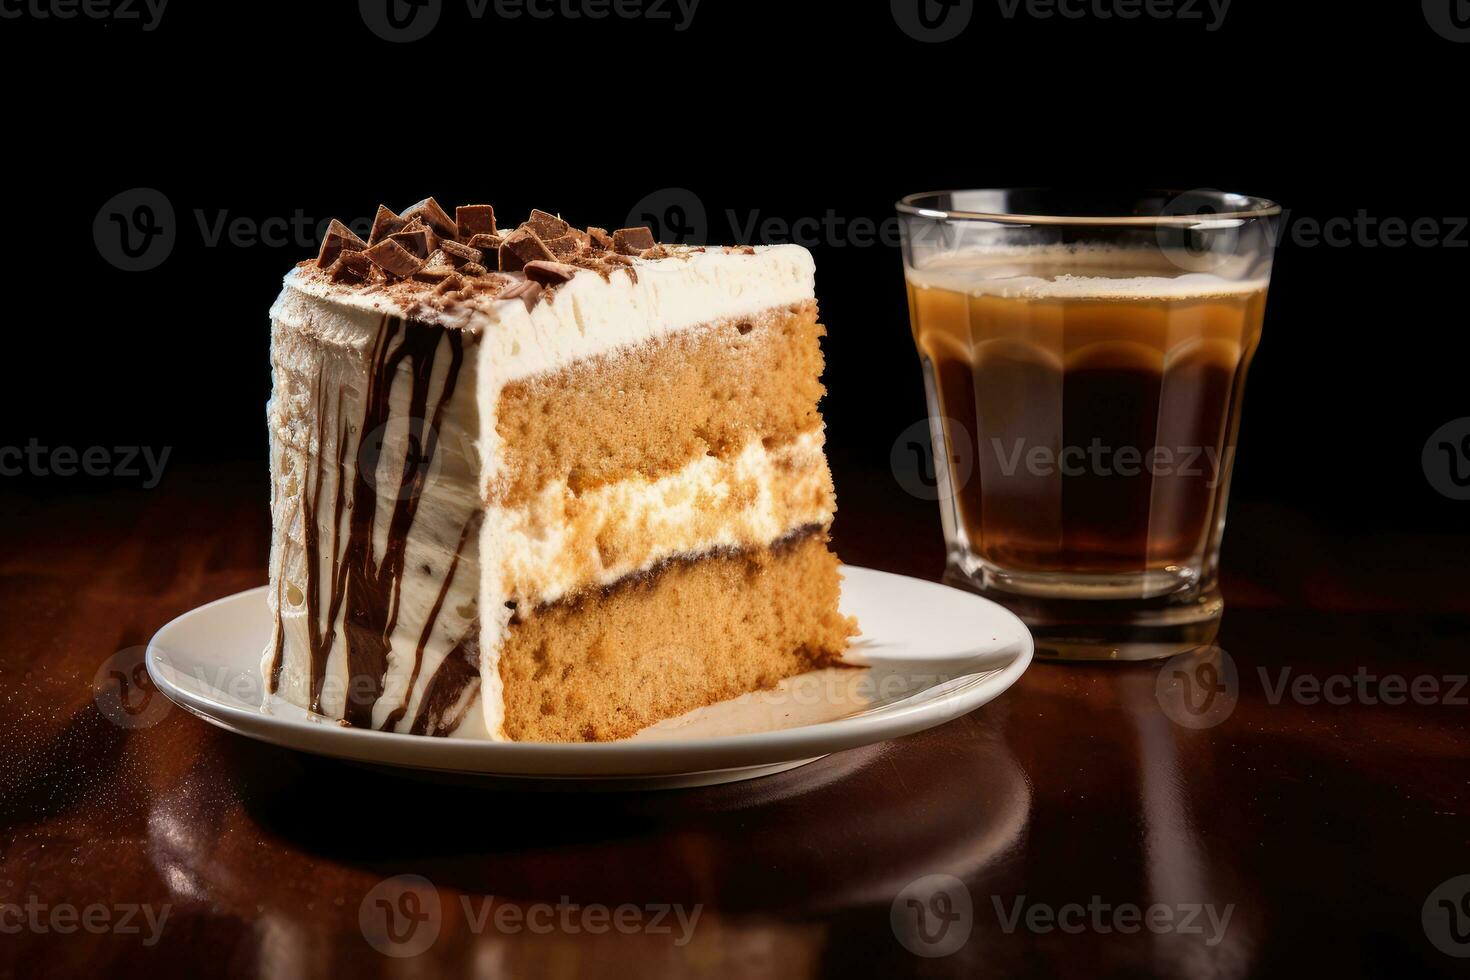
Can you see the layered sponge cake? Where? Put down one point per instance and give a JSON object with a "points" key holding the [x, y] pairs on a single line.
{"points": [[544, 484]]}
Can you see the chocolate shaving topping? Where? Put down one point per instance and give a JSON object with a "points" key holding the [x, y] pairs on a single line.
{"points": [[548, 226], [625, 261], [425, 259], [393, 258], [474, 219], [632, 241], [460, 254], [436, 268], [450, 283], [489, 244], [550, 273], [416, 239], [339, 238], [565, 245], [429, 211], [350, 267], [526, 291], [385, 223], [521, 246]]}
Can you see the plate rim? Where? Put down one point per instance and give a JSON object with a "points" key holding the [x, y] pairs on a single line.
{"points": [[607, 759]]}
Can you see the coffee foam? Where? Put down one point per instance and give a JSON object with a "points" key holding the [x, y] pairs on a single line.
{"points": [[1013, 274]]}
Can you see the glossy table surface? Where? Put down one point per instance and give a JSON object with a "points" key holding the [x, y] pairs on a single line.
{"points": [[1301, 822]]}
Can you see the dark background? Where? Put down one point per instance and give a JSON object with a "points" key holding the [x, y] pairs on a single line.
{"points": [[773, 111], [1330, 824]]}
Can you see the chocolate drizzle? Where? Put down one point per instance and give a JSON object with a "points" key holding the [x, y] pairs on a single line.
{"points": [[319, 638], [366, 588], [278, 636], [457, 674], [396, 715], [373, 588]]}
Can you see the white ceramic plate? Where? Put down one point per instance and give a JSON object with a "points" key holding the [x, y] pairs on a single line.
{"points": [[932, 653]]}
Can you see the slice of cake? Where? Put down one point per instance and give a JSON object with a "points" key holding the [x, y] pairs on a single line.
{"points": [[544, 483]]}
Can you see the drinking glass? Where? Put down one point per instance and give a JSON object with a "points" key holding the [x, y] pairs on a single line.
{"points": [[1084, 356]]}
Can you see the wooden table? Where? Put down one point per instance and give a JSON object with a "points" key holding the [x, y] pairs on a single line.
{"points": [[1078, 820]]}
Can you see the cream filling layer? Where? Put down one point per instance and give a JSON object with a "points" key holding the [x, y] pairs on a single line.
{"points": [[563, 541]]}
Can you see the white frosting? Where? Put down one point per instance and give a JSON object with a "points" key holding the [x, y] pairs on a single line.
{"points": [[590, 314], [316, 324], [315, 348]]}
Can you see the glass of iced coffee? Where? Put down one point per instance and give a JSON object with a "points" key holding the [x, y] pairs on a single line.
{"points": [[1084, 356]]}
